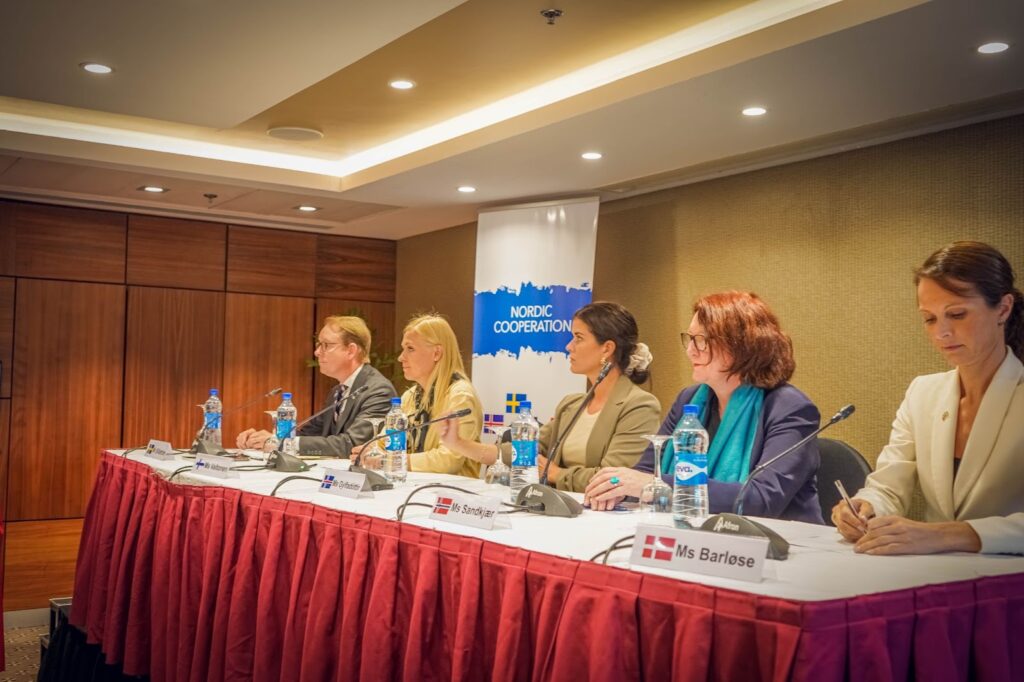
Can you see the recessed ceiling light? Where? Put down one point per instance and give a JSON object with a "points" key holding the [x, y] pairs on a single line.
{"points": [[307, 208], [993, 48], [467, 189], [155, 189], [294, 133], [402, 84], [755, 111], [591, 156], [93, 67]]}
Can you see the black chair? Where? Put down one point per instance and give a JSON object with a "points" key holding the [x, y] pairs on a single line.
{"points": [[841, 462]]}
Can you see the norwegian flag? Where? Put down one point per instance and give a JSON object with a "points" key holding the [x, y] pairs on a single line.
{"points": [[443, 505], [658, 548]]}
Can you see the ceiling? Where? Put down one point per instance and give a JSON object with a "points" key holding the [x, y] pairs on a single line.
{"points": [[503, 101]]}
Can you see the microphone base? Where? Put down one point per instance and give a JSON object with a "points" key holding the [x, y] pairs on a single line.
{"points": [[282, 461], [546, 500], [201, 446], [733, 524], [374, 480]]}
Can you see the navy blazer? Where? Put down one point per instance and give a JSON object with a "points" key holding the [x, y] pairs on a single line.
{"points": [[787, 489]]}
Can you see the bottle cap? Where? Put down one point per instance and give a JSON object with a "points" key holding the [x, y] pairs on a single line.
{"points": [[691, 409], [523, 408], [213, 391], [286, 396], [396, 401]]}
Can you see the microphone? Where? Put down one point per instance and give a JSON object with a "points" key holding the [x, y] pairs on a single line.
{"points": [[280, 460], [458, 414], [737, 524], [201, 446], [542, 497]]}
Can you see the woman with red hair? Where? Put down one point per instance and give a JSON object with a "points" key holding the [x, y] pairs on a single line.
{"points": [[742, 361]]}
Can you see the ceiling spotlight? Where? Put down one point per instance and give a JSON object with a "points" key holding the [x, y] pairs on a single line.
{"points": [[591, 156], [155, 189], [551, 15], [993, 48], [755, 111], [93, 67], [307, 208], [402, 84], [294, 133], [467, 189]]}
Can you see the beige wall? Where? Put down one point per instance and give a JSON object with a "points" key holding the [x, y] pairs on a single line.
{"points": [[830, 243]]}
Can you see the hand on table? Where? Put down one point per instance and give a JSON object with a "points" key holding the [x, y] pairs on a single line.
{"points": [[610, 485], [848, 525], [251, 439], [899, 535]]}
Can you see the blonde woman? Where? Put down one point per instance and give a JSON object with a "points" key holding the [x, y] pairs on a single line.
{"points": [[430, 358]]}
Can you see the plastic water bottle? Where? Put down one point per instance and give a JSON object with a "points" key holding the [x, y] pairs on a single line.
{"points": [[395, 462], [285, 424], [524, 451], [690, 498], [212, 409]]}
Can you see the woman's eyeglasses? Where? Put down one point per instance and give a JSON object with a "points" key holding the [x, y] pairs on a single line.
{"points": [[700, 342]]}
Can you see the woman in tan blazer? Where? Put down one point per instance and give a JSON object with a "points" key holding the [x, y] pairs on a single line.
{"points": [[959, 434], [611, 429]]}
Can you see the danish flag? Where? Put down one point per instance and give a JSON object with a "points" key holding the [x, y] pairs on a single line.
{"points": [[658, 548], [443, 505]]}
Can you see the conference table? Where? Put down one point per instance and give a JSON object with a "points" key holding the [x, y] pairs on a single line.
{"points": [[200, 578]]}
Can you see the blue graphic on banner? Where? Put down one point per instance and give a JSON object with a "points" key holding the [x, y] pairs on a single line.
{"points": [[507, 321]]}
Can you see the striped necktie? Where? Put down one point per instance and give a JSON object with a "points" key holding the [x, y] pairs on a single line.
{"points": [[338, 402]]}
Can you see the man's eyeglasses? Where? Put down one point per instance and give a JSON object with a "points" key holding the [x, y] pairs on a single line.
{"points": [[325, 346], [700, 342]]}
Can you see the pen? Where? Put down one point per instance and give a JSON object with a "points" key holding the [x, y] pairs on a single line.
{"points": [[849, 502]]}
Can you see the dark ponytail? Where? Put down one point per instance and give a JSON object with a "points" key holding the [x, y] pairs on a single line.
{"points": [[975, 268]]}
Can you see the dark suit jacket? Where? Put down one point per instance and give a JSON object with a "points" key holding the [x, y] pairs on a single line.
{"points": [[787, 489], [319, 438]]}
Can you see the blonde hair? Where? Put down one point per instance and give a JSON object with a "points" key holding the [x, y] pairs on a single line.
{"points": [[352, 329], [436, 331]]}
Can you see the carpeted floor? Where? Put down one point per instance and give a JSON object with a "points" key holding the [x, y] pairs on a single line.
{"points": [[21, 648]]}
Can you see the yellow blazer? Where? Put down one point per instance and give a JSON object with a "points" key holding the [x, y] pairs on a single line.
{"points": [[617, 439], [988, 491], [435, 456]]}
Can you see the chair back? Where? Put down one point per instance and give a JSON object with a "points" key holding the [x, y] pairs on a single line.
{"points": [[841, 462]]}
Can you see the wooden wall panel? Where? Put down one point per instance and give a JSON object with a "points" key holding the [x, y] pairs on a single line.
{"points": [[267, 343], [76, 244], [355, 269], [40, 562], [66, 395], [5, 433], [380, 317], [6, 335], [6, 239], [174, 356], [271, 262], [169, 252]]}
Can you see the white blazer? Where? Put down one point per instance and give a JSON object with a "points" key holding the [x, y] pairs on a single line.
{"points": [[989, 489]]}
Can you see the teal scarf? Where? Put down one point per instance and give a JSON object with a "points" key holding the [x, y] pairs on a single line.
{"points": [[729, 452]]}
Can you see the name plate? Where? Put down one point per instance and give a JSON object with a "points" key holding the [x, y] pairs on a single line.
{"points": [[159, 449], [344, 484], [215, 465], [466, 510], [676, 549]]}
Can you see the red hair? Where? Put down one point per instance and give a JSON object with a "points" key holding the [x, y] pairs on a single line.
{"points": [[742, 324]]}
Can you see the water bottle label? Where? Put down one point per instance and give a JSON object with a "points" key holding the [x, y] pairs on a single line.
{"points": [[211, 420], [692, 469], [524, 453], [285, 428], [395, 441]]}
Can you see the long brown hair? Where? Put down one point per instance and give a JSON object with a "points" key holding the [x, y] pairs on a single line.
{"points": [[968, 268]]}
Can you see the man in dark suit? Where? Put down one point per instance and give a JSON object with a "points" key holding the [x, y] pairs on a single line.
{"points": [[342, 349]]}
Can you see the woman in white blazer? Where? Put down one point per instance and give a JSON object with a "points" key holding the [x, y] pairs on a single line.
{"points": [[959, 434]]}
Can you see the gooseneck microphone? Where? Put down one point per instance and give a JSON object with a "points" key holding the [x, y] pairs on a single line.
{"points": [[202, 446], [540, 496], [836, 418], [737, 524], [279, 460]]}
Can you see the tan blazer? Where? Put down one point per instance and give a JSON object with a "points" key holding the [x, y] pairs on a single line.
{"points": [[989, 489], [617, 439], [435, 456]]}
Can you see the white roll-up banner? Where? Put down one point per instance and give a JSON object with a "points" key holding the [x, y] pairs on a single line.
{"points": [[534, 269]]}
